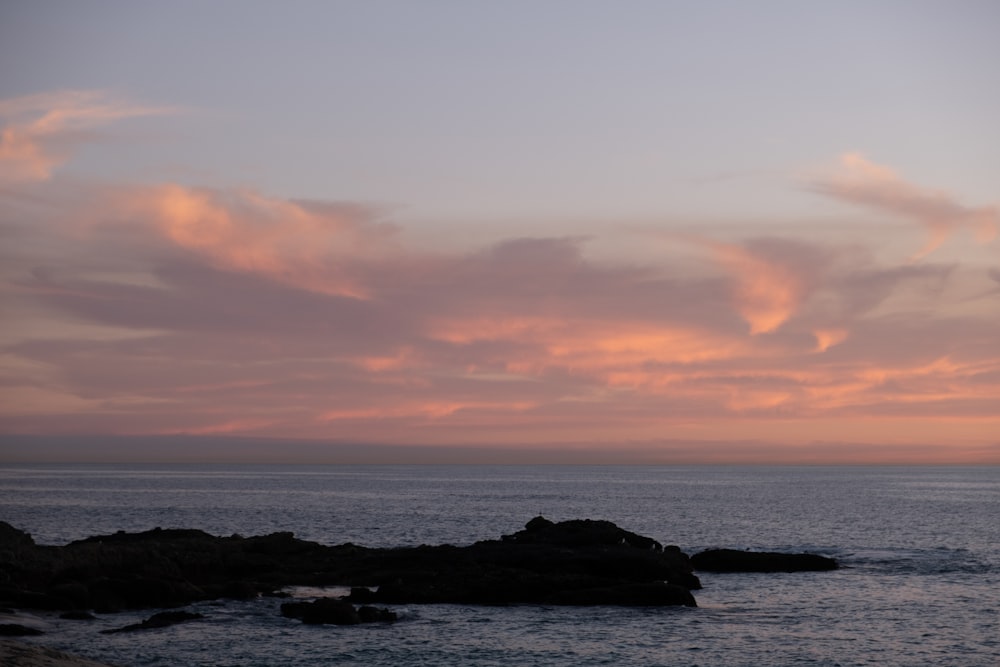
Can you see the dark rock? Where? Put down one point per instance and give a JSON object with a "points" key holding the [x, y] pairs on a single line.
{"points": [[276, 594], [162, 620], [362, 594], [652, 594], [34, 600], [240, 590], [293, 609], [77, 615], [517, 571], [159, 534], [733, 560], [329, 611], [546, 563], [579, 533], [334, 611], [369, 614], [13, 538], [537, 524], [76, 593], [18, 630]]}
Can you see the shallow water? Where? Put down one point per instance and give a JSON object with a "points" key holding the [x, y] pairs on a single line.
{"points": [[921, 548]]}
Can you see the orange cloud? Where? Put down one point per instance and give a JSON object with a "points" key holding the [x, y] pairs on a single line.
{"points": [[767, 292], [228, 427], [40, 131], [528, 329], [289, 242], [827, 338], [860, 181], [580, 344], [401, 359], [432, 410], [932, 391]]}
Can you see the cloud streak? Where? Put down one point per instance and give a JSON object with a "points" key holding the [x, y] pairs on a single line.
{"points": [[860, 181], [40, 132]]}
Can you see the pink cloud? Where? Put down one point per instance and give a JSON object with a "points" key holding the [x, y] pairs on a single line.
{"points": [[39, 132], [179, 310], [827, 338], [307, 246], [863, 182], [767, 292], [524, 338]]}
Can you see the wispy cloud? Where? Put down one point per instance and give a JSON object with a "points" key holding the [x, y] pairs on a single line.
{"points": [[768, 289], [39, 132], [863, 182]]}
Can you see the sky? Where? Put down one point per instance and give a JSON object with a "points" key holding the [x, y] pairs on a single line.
{"points": [[557, 231]]}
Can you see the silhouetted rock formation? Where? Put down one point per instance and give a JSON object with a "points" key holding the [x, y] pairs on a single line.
{"points": [[334, 611], [162, 620], [732, 560], [571, 562], [18, 630]]}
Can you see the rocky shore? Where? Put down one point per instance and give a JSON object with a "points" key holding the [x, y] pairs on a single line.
{"points": [[577, 562]]}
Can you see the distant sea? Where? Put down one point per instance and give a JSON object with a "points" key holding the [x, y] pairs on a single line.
{"points": [[920, 548]]}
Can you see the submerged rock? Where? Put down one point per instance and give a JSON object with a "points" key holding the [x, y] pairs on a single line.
{"points": [[370, 614], [733, 560], [335, 611], [162, 620]]}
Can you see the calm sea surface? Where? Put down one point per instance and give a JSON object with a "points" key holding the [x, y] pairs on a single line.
{"points": [[921, 548]]}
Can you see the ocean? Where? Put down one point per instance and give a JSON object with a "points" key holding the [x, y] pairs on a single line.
{"points": [[919, 549]]}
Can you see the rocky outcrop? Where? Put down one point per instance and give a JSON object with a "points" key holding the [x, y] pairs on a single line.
{"points": [[580, 533], [334, 611], [580, 562], [18, 630], [733, 560]]}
